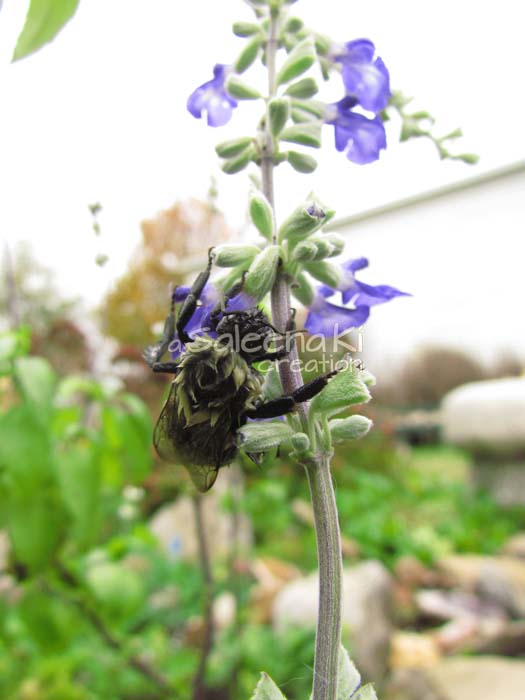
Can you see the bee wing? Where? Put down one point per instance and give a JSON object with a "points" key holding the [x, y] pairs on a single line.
{"points": [[164, 430], [203, 477]]}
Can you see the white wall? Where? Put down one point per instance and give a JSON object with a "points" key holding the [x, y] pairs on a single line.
{"points": [[462, 256]]}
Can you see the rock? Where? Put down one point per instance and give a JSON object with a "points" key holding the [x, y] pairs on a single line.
{"points": [[488, 414], [367, 613], [271, 575], [449, 605], [476, 678], [411, 572], [498, 579], [509, 640], [174, 526], [515, 546], [413, 650]]}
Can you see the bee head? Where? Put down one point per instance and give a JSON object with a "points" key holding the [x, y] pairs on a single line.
{"points": [[249, 332]]}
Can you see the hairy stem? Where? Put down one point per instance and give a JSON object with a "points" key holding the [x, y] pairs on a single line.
{"points": [[328, 635], [199, 687]]}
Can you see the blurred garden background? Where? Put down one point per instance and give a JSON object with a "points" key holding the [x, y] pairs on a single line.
{"points": [[116, 579]]}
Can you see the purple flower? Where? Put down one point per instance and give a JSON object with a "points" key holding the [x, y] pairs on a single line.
{"points": [[360, 137], [212, 98], [328, 319], [365, 76]]}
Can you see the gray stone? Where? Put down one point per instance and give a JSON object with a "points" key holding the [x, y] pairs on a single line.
{"points": [[476, 678], [367, 613], [174, 524], [489, 414]]}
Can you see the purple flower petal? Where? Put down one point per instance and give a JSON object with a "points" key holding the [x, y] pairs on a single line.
{"points": [[331, 320], [371, 295], [364, 78], [212, 98]]}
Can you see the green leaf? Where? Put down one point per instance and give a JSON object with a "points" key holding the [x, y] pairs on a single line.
{"points": [[307, 87], [351, 428], [278, 114], [240, 90], [45, 18], [301, 162], [248, 54], [239, 162], [263, 436], [261, 214], [49, 622], [367, 692], [349, 677], [228, 149], [345, 389], [297, 61], [326, 272], [233, 255], [244, 29], [37, 382], [262, 271], [267, 690], [305, 134]]}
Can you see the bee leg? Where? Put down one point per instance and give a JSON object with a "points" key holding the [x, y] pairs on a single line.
{"points": [[286, 404], [190, 303], [153, 353], [168, 367]]}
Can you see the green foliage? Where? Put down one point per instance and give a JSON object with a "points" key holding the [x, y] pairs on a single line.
{"points": [[44, 20]]}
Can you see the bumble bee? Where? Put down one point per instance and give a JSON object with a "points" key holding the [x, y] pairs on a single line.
{"points": [[216, 387]]}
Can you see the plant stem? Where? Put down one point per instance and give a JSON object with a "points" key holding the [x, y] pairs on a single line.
{"points": [[328, 637], [199, 687]]}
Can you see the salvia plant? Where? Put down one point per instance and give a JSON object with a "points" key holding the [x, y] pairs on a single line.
{"points": [[216, 390]]}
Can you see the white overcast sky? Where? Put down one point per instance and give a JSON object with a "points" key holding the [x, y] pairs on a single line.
{"points": [[100, 115]]}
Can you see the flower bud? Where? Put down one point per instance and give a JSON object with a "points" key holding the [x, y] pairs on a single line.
{"points": [[337, 241], [297, 62], [352, 428], [301, 162], [245, 29], [328, 245], [233, 255], [468, 158], [248, 54], [324, 249], [228, 149], [278, 114], [303, 290], [261, 214], [262, 271], [236, 88], [293, 25], [235, 165], [304, 252], [300, 442], [306, 134], [307, 87], [263, 436], [325, 272], [305, 220]]}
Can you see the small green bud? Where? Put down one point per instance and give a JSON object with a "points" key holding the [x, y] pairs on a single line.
{"points": [[301, 162], [328, 245], [233, 255], [456, 134], [304, 251], [307, 87], [324, 249], [337, 241], [297, 61], [323, 44], [305, 220], [244, 29], [262, 271], [303, 290], [306, 134], [278, 114], [248, 54], [261, 214], [228, 149], [345, 389], [469, 158], [263, 436], [314, 107], [300, 442], [299, 116], [238, 89], [352, 428], [325, 272], [293, 25], [235, 165]]}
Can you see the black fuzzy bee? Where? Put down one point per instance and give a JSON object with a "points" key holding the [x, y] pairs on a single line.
{"points": [[216, 388]]}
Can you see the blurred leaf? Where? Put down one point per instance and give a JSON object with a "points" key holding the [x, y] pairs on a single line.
{"points": [[79, 479], [13, 344], [37, 382], [45, 18], [47, 619], [267, 690], [119, 590], [349, 677], [345, 389]]}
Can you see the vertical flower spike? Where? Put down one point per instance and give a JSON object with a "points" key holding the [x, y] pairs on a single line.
{"points": [[212, 98], [360, 137], [365, 76]]}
